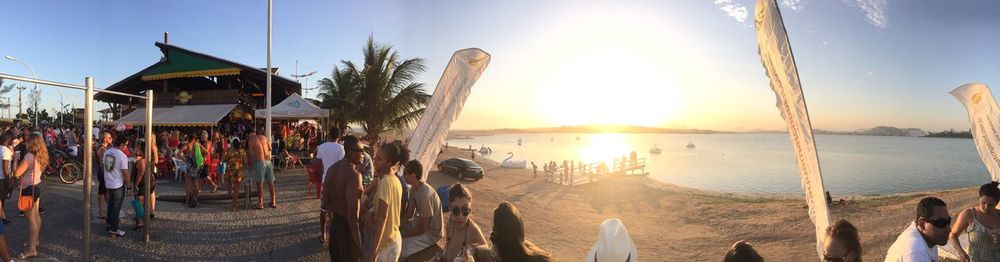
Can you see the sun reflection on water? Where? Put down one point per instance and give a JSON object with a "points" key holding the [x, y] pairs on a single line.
{"points": [[604, 147]]}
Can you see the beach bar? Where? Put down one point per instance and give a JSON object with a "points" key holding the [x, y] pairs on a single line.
{"points": [[195, 89]]}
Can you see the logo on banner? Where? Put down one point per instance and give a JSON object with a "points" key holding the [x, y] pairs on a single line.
{"points": [[976, 98], [295, 104]]}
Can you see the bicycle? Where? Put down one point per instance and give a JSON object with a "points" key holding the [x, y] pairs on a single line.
{"points": [[69, 170]]}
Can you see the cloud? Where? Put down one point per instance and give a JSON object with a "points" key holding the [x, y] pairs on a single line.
{"points": [[795, 5], [875, 12], [734, 10]]}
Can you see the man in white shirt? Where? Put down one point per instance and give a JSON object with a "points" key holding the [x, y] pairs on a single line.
{"points": [[329, 153], [426, 226], [116, 179], [918, 243]]}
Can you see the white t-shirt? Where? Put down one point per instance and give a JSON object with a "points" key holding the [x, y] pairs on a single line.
{"points": [[911, 247], [330, 153], [114, 161], [5, 154], [96, 133]]}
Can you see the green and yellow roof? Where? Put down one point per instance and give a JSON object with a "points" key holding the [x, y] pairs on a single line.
{"points": [[188, 70]]}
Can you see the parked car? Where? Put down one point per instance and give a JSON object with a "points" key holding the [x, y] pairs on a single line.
{"points": [[461, 168]]}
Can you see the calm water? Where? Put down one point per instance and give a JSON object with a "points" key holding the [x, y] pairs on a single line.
{"points": [[763, 162]]}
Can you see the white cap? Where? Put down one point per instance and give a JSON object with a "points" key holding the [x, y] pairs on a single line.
{"points": [[613, 244]]}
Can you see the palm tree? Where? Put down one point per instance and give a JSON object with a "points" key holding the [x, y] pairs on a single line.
{"points": [[338, 95], [387, 97]]}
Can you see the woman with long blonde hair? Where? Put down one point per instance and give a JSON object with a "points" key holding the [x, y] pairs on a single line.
{"points": [[29, 169]]}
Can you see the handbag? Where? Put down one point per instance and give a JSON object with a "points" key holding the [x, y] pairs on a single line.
{"points": [[137, 206], [26, 201]]}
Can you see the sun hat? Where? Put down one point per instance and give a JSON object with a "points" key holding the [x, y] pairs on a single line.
{"points": [[613, 244]]}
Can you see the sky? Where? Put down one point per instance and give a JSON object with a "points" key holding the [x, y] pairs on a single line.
{"points": [[675, 64]]}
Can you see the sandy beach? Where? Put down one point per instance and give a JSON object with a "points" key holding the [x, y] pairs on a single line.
{"points": [[673, 223]]}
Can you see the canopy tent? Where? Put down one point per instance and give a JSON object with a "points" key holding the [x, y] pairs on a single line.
{"points": [[186, 115], [294, 107]]}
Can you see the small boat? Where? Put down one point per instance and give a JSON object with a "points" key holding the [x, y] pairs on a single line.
{"points": [[655, 150], [519, 141], [578, 138], [690, 145]]}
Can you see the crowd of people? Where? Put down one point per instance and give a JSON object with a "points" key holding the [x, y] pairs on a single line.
{"points": [[25, 152], [375, 203], [376, 206]]}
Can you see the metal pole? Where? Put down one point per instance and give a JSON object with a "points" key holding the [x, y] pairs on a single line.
{"points": [[267, 122], [147, 179], [88, 157]]}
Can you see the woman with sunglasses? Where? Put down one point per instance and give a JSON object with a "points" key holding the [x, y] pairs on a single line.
{"points": [[841, 243], [982, 223], [462, 234], [508, 237], [386, 238]]}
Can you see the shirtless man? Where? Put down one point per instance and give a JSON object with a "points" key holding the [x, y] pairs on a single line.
{"points": [[263, 170], [342, 193]]}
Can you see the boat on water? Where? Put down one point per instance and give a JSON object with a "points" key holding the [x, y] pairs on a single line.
{"points": [[655, 150], [690, 145]]}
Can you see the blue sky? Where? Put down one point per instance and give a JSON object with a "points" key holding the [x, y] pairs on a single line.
{"points": [[690, 64]]}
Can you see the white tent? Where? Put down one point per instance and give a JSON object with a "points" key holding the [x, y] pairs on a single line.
{"points": [[294, 107]]}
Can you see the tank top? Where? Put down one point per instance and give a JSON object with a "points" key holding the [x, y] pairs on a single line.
{"points": [[33, 175], [981, 246]]}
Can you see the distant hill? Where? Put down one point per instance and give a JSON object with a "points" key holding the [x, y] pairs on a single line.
{"points": [[875, 131], [952, 134], [586, 129], [891, 131]]}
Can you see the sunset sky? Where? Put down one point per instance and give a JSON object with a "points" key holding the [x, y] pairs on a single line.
{"points": [[682, 64]]}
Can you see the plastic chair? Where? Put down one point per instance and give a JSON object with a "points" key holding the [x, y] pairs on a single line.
{"points": [[178, 164]]}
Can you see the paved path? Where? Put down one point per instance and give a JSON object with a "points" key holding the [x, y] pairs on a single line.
{"points": [[209, 232]]}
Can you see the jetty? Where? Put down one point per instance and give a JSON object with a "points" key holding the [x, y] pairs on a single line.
{"points": [[579, 174]]}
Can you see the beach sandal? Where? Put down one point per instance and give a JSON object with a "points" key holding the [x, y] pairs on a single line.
{"points": [[23, 256]]}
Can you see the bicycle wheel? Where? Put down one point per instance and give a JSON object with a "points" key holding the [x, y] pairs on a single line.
{"points": [[70, 172]]}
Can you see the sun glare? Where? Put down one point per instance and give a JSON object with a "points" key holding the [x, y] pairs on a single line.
{"points": [[604, 147], [610, 89], [609, 71]]}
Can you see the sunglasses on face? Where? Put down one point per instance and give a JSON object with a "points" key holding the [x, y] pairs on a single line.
{"points": [[940, 222], [464, 211], [829, 258]]}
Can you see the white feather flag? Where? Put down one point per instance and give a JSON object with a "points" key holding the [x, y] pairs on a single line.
{"points": [[983, 116], [449, 96], [776, 56]]}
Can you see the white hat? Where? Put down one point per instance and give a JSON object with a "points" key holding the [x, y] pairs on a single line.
{"points": [[613, 244]]}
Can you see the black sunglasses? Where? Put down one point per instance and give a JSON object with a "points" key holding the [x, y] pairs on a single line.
{"points": [[464, 211], [940, 222], [828, 258]]}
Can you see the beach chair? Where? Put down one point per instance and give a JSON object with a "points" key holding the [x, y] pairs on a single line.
{"points": [[291, 160]]}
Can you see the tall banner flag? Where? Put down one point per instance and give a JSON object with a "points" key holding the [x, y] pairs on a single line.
{"points": [[776, 56], [446, 103], [983, 116]]}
